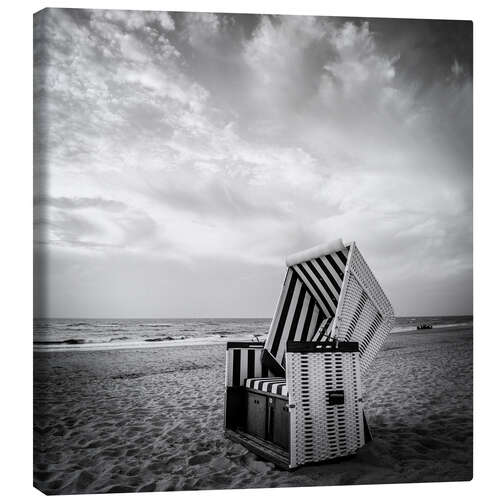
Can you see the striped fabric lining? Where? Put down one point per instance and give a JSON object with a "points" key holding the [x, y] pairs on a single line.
{"points": [[324, 331], [243, 363], [323, 278], [307, 304], [297, 317], [272, 385]]}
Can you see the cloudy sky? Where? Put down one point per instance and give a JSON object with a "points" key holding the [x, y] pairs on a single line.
{"points": [[183, 156]]}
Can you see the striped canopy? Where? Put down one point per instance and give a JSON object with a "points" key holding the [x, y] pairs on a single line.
{"points": [[308, 301]]}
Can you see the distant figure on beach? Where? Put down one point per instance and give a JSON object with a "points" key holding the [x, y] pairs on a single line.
{"points": [[424, 326]]}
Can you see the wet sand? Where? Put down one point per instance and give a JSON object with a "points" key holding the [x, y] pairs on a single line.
{"points": [[152, 420]]}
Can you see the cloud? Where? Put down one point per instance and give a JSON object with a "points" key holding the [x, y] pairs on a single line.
{"points": [[94, 223], [239, 139], [456, 68], [136, 20], [200, 28], [82, 202]]}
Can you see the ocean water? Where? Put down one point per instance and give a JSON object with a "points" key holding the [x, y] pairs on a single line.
{"points": [[97, 334]]}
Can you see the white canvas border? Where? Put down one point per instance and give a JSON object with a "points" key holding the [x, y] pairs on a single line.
{"points": [[16, 259]]}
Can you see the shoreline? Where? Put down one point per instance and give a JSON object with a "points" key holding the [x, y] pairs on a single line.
{"points": [[82, 346]]}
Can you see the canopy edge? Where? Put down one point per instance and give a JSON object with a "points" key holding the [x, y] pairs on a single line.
{"points": [[315, 252]]}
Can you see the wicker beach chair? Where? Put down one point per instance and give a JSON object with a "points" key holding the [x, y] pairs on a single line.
{"points": [[297, 398]]}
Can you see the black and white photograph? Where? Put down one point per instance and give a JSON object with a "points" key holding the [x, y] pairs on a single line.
{"points": [[252, 251]]}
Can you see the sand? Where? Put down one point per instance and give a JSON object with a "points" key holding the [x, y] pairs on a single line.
{"points": [[152, 420]]}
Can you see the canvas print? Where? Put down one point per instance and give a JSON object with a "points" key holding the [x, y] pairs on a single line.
{"points": [[252, 251]]}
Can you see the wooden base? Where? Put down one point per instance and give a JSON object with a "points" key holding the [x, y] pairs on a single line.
{"points": [[260, 447], [274, 454], [263, 426]]}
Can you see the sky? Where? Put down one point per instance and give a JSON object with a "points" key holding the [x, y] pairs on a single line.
{"points": [[179, 157]]}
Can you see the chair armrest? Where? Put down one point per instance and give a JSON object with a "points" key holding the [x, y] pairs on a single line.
{"points": [[241, 345], [331, 346]]}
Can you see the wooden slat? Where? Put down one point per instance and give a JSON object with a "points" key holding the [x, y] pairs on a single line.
{"points": [[262, 448]]}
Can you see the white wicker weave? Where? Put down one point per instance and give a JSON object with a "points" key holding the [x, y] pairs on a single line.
{"points": [[320, 430], [364, 313]]}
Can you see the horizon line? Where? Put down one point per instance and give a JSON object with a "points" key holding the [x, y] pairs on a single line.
{"points": [[223, 317]]}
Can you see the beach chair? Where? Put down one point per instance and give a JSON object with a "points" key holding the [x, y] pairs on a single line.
{"points": [[297, 398]]}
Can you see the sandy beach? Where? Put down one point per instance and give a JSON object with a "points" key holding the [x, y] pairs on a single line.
{"points": [[152, 420]]}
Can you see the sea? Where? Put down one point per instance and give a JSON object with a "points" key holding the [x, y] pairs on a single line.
{"points": [[66, 334]]}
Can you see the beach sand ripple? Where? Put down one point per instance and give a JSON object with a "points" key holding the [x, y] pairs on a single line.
{"points": [[152, 420]]}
